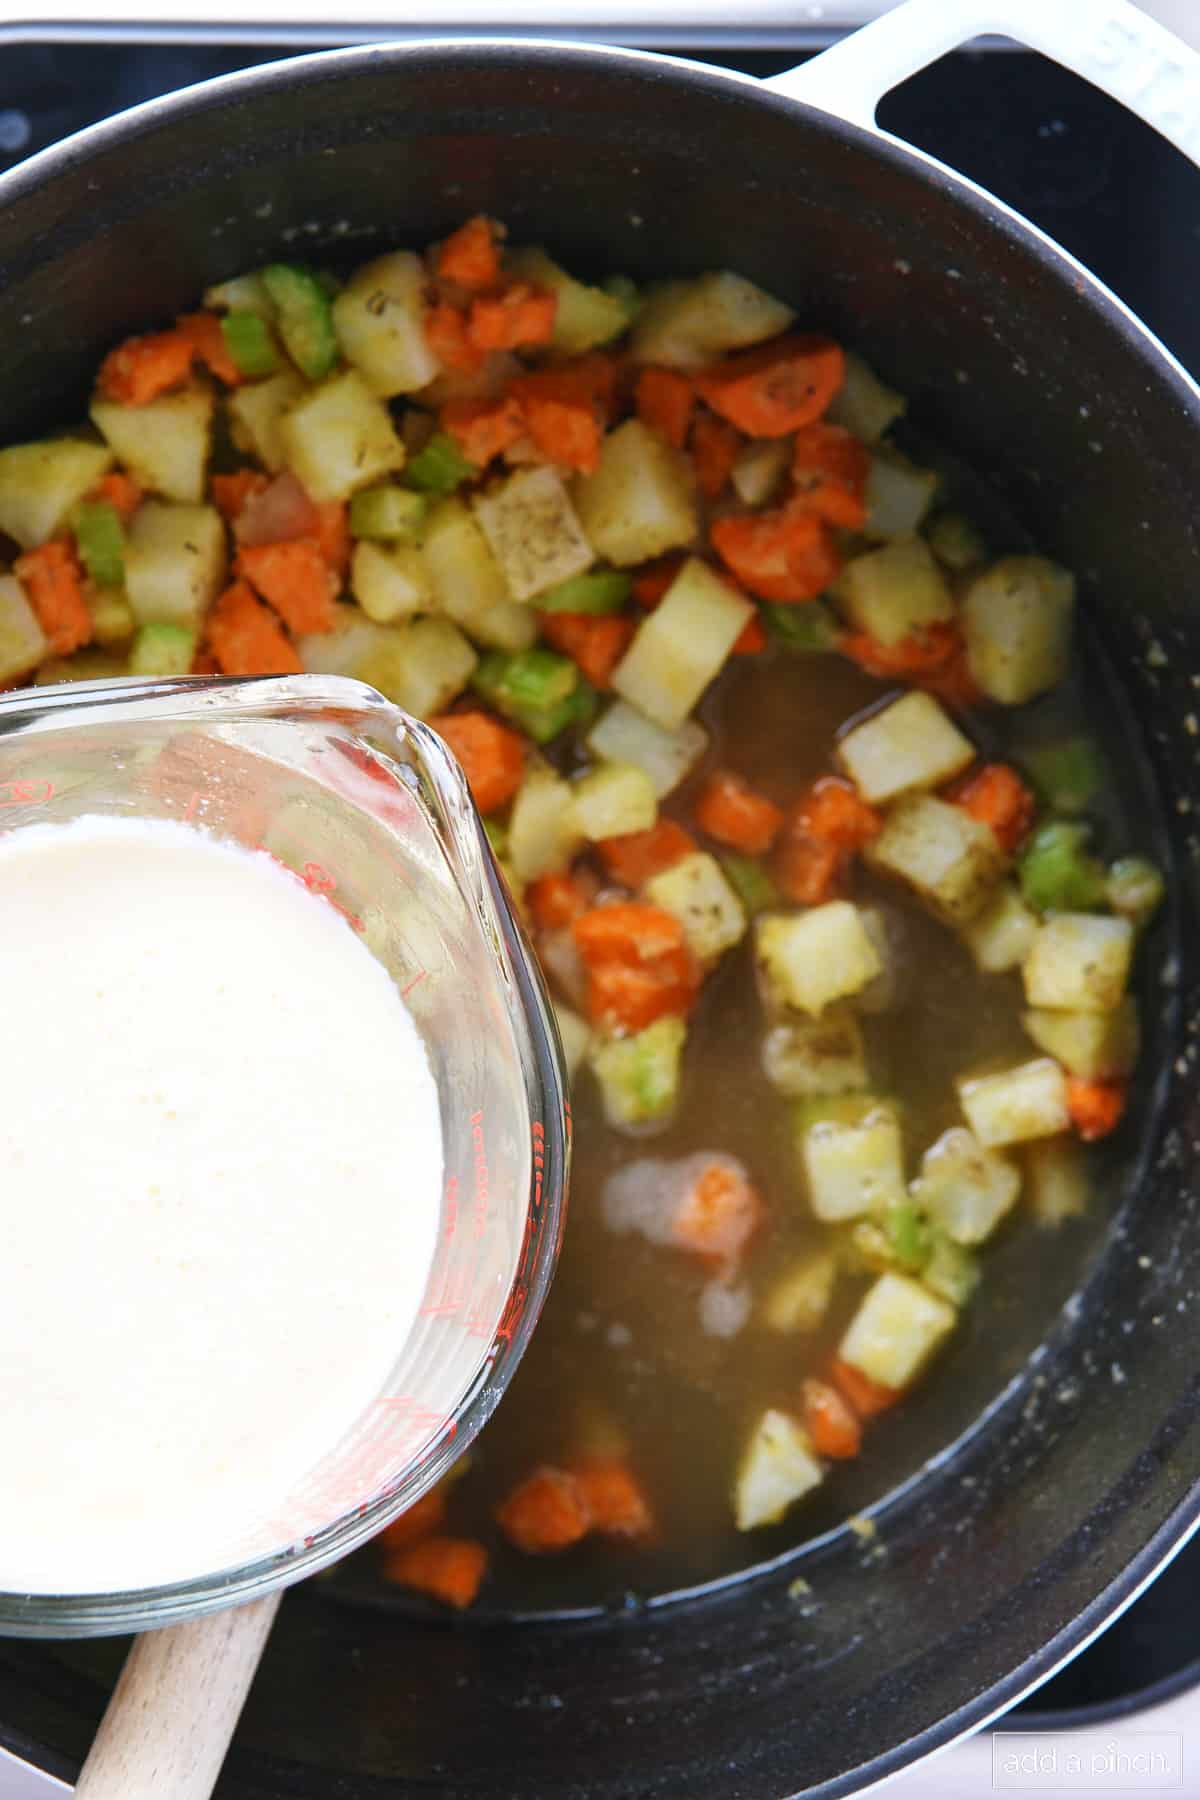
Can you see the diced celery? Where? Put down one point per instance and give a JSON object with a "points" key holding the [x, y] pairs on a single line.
{"points": [[100, 541], [613, 800], [162, 649], [750, 882], [601, 591], [250, 344], [639, 1075], [908, 1234], [1057, 871], [388, 513], [950, 1270], [532, 530], [440, 467], [537, 689], [1135, 889], [1067, 775], [808, 627], [304, 317], [956, 542], [626, 290], [241, 293]]}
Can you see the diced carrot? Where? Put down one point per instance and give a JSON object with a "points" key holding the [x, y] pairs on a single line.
{"points": [[557, 900], [654, 578], [512, 317], [246, 637], [614, 1498], [295, 579], [204, 663], [492, 756], [589, 380], [784, 555], [333, 534], [731, 811], [142, 368], [996, 796], [547, 1512], [203, 332], [867, 1397], [447, 1568], [565, 431], [639, 968], [830, 468], [277, 513], [664, 401], [719, 1215], [470, 256], [53, 582], [832, 809], [633, 858], [231, 492], [121, 491], [596, 642], [421, 1519], [776, 388], [714, 447], [1096, 1107], [830, 1421], [751, 639], [807, 869], [446, 335], [630, 932], [927, 658], [483, 428]]}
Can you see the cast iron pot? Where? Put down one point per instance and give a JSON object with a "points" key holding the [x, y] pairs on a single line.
{"points": [[1073, 1393]]}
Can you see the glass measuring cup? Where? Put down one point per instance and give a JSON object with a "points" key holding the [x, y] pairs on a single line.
{"points": [[367, 809]]}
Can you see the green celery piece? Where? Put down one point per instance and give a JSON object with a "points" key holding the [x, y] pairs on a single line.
{"points": [[640, 1074], [304, 316], [1057, 871], [394, 514], [951, 1271], [497, 835], [1068, 775], [750, 881], [626, 290], [603, 591], [908, 1233], [440, 467], [536, 689], [249, 342], [538, 677], [161, 649], [100, 538], [810, 626], [1135, 889]]}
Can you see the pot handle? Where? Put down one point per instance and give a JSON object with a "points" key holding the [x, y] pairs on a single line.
{"points": [[1111, 43]]}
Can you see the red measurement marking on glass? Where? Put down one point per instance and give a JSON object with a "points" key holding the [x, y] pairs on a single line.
{"points": [[317, 879], [415, 1419], [450, 1208], [416, 981], [26, 793], [539, 1159], [448, 1295], [479, 1155], [190, 810]]}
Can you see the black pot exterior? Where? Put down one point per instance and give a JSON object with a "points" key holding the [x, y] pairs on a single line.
{"points": [[1080, 1477]]}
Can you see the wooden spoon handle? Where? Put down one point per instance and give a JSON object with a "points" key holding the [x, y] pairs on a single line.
{"points": [[173, 1711]]}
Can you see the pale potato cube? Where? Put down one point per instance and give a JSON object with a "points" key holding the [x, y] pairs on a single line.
{"points": [[379, 318], [256, 412], [854, 1167], [468, 584], [543, 832], [893, 592], [682, 646], [799, 1299], [684, 324], [898, 494], [777, 1468], [584, 316], [949, 859], [808, 959], [696, 892], [623, 734], [174, 563], [575, 1036], [966, 1189], [1017, 624], [864, 404], [1016, 1105], [816, 1056], [534, 533], [340, 437], [344, 649], [614, 799], [422, 665], [760, 469], [1057, 1183], [1096, 1046], [390, 583], [913, 743], [41, 483], [640, 501], [896, 1330], [165, 444], [22, 640], [1001, 936], [1079, 962]]}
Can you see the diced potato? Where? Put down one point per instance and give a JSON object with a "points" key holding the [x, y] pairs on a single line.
{"points": [[575, 1036], [808, 959], [799, 1299], [1057, 1183], [390, 583], [863, 403], [113, 619], [614, 799], [379, 320], [543, 831], [438, 662], [854, 1167], [964, 1188], [1097, 1046], [623, 734], [760, 469], [682, 646], [585, 316], [533, 531], [912, 743], [639, 1076], [1016, 1105], [816, 1056], [468, 584], [22, 640], [165, 444], [1001, 936], [83, 665], [174, 563], [957, 543], [898, 494], [1017, 624], [41, 483], [949, 859], [697, 893], [241, 293], [344, 649], [896, 1330], [256, 412], [684, 324], [1079, 962], [340, 437], [640, 501], [777, 1468], [893, 592]]}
